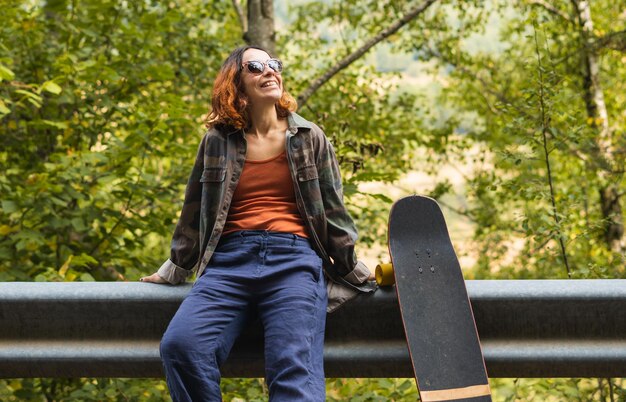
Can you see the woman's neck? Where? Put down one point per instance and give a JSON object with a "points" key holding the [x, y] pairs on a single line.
{"points": [[264, 121]]}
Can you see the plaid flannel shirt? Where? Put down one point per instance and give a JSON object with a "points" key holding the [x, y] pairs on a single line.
{"points": [[319, 197]]}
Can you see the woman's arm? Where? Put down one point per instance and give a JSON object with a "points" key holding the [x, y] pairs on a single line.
{"points": [[185, 245], [341, 230]]}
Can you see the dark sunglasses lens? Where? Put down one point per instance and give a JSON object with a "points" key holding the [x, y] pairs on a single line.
{"points": [[275, 65], [255, 67]]}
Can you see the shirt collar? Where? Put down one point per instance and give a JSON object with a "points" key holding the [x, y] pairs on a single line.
{"points": [[294, 120]]}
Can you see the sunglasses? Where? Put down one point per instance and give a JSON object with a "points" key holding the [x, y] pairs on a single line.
{"points": [[258, 67]]}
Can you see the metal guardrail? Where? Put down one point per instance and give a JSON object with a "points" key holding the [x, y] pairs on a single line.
{"points": [[528, 328]]}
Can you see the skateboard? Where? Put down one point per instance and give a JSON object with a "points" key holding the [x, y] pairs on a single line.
{"points": [[436, 313]]}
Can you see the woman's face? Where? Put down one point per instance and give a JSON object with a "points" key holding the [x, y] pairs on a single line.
{"points": [[264, 87]]}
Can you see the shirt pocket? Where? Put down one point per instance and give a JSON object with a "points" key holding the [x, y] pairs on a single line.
{"points": [[308, 182], [213, 175]]}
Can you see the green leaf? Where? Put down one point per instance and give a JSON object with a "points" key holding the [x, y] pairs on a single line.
{"points": [[349, 189], [5, 73], [9, 206], [60, 125], [3, 108], [87, 278], [78, 224], [381, 197], [52, 87], [31, 97], [65, 266], [84, 260]]}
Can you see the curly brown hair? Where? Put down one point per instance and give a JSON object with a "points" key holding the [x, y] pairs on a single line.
{"points": [[229, 102]]}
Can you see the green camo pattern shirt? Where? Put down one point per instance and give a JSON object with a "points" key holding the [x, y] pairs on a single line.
{"points": [[319, 197]]}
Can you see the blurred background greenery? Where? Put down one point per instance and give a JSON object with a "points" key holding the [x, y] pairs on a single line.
{"points": [[511, 113]]}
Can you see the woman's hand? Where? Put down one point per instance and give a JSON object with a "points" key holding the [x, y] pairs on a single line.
{"points": [[154, 278]]}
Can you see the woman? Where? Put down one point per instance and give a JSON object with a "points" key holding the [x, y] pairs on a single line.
{"points": [[265, 228]]}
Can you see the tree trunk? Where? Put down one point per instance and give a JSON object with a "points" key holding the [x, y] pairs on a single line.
{"points": [[259, 30], [594, 96], [598, 116], [261, 25]]}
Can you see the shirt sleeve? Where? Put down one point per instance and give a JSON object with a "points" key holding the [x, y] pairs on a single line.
{"points": [[185, 244], [341, 230]]}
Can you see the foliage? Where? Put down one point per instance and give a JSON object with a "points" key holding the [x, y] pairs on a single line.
{"points": [[353, 390], [92, 389], [101, 109], [559, 389], [101, 106], [535, 203], [372, 389]]}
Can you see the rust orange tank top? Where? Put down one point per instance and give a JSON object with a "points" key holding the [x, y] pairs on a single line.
{"points": [[265, 199]]}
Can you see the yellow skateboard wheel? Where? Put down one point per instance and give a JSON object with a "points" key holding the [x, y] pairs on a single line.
{"points": [[384, 274]]}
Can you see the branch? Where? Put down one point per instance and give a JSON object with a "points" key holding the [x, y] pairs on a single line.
{"points": [[488, 89], [390, 30], [613, 41], [461, 212], [545, 129], [551, 9], [576, 8], [242, 19]]}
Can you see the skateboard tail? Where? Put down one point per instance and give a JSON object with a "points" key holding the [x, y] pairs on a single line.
{"points": [[456, 394]]}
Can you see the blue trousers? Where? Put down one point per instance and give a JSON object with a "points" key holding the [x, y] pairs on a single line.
{"points": [[276, 277]]}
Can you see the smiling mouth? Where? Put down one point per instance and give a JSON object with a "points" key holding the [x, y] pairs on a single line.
{"points": [[269, 84]]}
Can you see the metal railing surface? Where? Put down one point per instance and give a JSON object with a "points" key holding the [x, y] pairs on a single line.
{"points": [[528, 328]]}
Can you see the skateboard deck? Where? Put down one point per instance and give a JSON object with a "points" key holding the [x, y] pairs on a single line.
{"points": [[436, 312]]}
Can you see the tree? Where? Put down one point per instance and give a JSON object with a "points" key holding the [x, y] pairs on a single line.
{"points": [[610, 173], [97, 100], [259, 30], [101, 105], [529, 106]]}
